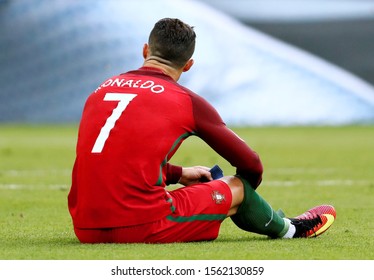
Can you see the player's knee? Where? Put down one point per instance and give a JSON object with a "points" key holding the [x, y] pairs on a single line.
{"points": [[237, 191]]}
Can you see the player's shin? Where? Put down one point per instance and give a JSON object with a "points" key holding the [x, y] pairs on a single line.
{"points": [[256, 215]]}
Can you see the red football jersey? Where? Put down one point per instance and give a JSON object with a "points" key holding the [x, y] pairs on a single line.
{"points": [[131, 126]]}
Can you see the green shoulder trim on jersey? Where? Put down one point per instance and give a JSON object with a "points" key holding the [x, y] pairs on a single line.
{"points": [[180, 139], [202, 217]]}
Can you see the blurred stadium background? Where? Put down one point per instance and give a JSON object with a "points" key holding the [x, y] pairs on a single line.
{"points": [[259, 62]]}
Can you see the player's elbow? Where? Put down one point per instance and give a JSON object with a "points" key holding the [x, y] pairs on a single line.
{"points": [[252, 172], [257, 167], [257, 174]]}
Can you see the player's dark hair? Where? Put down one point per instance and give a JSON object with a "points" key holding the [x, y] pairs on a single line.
{"points": [[172, 40]]}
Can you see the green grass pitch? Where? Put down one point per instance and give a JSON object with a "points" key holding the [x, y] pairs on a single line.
{"points": [[304, 167]]}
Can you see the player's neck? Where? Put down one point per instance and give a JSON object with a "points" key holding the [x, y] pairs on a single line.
{"points": [[164, 65]]}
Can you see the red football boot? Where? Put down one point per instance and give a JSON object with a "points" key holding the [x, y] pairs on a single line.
{"points": [[314, 222]]}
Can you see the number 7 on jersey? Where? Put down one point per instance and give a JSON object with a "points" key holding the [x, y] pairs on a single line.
{"points": [[123, 101]]}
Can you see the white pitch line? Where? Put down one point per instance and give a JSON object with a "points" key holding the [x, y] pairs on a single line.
{"points": [[33, 187], [301, 170], [279, 183], [36, 172]]}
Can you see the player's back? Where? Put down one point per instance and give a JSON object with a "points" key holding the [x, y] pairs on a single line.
{"points": [[130, 126]]}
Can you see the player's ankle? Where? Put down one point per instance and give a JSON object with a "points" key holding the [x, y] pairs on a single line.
{"points": [[291, 229]]}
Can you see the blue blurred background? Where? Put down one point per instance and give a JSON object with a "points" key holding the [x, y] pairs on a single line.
{"points": [[258, 62]]}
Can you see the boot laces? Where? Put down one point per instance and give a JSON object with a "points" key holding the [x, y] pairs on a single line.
{"points": [[305, 225]]}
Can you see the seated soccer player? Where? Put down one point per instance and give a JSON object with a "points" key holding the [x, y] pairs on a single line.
{"points": [[131, 127]]}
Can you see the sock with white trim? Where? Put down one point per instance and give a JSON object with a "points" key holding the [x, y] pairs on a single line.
{"points": [[256, 215], [291, 229]]}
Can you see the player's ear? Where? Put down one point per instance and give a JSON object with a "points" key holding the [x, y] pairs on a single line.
{"points": [[145, 51], [188, 65]]}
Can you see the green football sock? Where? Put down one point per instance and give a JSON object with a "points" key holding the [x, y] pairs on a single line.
{"points": [[256, 215]]}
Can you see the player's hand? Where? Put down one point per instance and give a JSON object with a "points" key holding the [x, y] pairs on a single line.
{"points": [[195, 174]]}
